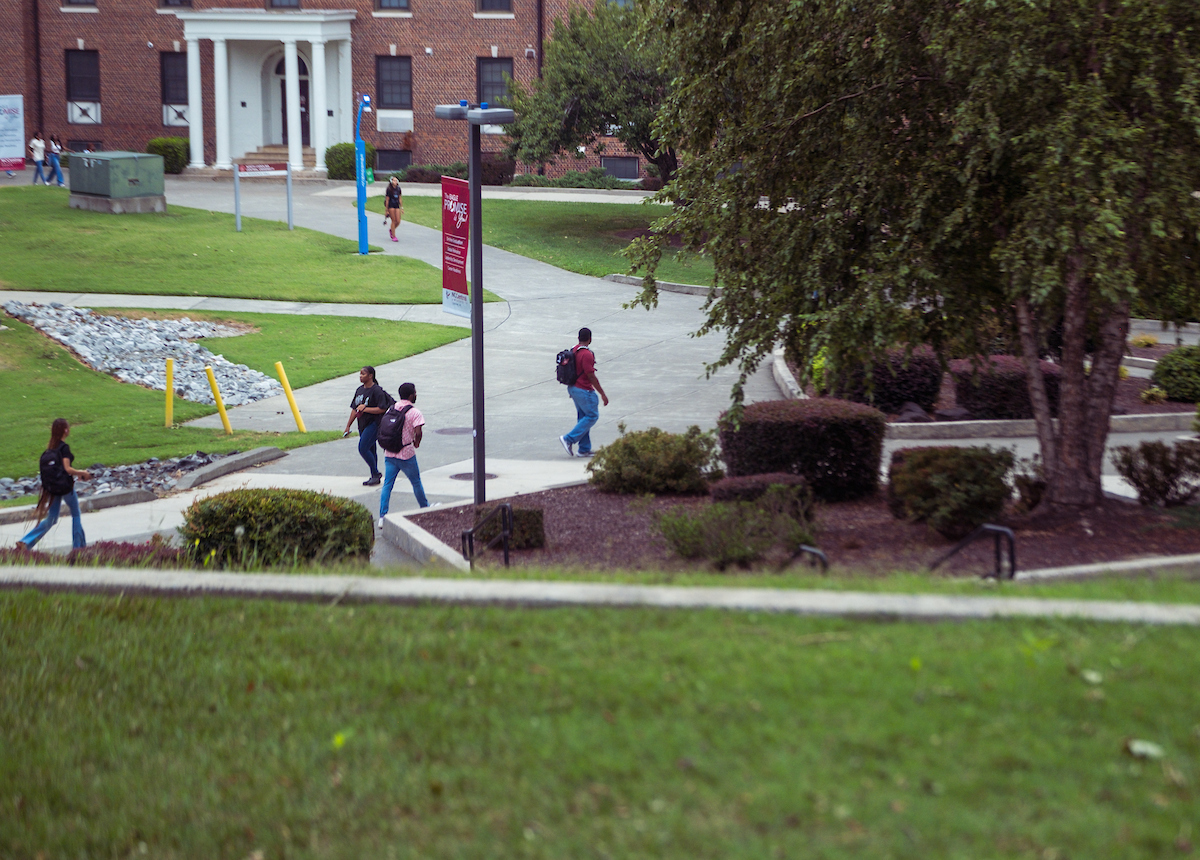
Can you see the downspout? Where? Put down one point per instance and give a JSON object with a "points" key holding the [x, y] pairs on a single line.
{"points": [[541, 32], [37, 62]]}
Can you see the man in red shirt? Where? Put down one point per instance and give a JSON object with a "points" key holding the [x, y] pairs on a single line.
{"points": [[584, 393]]}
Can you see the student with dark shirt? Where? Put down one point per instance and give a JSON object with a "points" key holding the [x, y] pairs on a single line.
{"points": [[369, 403], [393, 206], [58, 468]]}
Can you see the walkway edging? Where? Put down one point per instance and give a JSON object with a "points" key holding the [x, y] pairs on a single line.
{"points": [[228, 465], [851, 604]]}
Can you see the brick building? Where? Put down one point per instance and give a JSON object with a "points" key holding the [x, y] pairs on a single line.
{"points": [[236, 77]]}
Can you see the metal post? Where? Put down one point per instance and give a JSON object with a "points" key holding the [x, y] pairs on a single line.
{"points": [[237, 199], [289, 190], [477, 313], [360, 174]]}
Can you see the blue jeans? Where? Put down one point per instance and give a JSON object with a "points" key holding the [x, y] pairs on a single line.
{"points": [[37, 173], [39, 531], [55, 168], [587, 412], [393, 466], [366, 447]]}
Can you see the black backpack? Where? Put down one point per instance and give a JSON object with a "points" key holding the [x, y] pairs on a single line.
{"points": [[566, 372], [55, 479], [391, 430]]}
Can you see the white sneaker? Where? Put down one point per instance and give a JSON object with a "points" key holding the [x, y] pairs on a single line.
{"points": [[567, 446], [380, 523]]}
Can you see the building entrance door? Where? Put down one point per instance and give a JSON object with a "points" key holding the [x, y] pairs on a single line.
{"points": [[304, 133]]}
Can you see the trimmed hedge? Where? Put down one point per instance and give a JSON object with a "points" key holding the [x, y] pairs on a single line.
{"points": [[175, 152], [655, 461], [955, 490], [433, 173], [496, 169], [529, 528], [898, 378], [339, 160], [250, 528], [595, 177], [1162, 474], [999, 391], [836, 445], [1178, 374]]}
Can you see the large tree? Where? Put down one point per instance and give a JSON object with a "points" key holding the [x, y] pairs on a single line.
{"points": [[598, 80], [867, 174]]}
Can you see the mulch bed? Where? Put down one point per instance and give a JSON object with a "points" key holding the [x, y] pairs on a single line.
{"points": [[586, 528]]}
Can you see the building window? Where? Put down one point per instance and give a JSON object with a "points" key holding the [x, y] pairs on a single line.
{"points": [[495, 5], [393, 82], [391, 5], [80, 3], [173, 71], [168, 3], [492, 76], [83, 76], [85, 146], [391, 160], [621, 168], [283, 4]]}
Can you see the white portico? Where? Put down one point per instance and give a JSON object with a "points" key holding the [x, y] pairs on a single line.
{"points": [[278, 78]]}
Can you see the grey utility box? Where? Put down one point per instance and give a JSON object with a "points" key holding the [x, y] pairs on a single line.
{"points": [[117, 182]]}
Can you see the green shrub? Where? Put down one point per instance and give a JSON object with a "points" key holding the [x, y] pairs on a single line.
{"points": [[594, 178], [1143, 341], [495, 169], [837, 446], [655, 461], [529, 528], [739, 533], [898, 377], [1153, 395], [250, 528], [997, 388], [1178, 374], [175, 152], [339, 160], [1162, 474], [751, 488], [433, 173], [955, 490]]}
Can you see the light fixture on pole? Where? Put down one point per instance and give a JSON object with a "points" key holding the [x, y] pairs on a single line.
{"points": [[360, 172], [476, 117]]}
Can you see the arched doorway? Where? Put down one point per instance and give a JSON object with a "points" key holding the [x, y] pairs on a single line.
{"points": [[280, 86]]}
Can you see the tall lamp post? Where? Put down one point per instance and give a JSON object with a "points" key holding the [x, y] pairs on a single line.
{"points": [[476, 117], [360, 172]]}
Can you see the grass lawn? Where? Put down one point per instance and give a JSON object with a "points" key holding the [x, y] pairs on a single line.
{"points": [[115, 423], [224, 728], [189, 252], [580, 237]]}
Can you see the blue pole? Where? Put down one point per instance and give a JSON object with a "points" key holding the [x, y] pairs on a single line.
{"points": [[360, 175]]}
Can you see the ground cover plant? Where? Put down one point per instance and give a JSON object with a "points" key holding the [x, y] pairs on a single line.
{"points": [[222, 728], [189, 252], [587, 238], [313, 348], [112, 422]]}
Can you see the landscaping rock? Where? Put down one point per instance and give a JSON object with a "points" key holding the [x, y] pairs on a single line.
{"points": [[156, 476], [955, 414], [912, 413]]}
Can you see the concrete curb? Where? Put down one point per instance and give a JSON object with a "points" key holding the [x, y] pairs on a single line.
{"points": [[1148, 423], [666, 286], [87, 504], [228, 465], [1101, 568], [1143, 363], [849, 604], [423, 547]]}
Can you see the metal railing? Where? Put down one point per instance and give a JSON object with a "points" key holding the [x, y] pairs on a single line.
{"points": [[505, 513], [998, 533], [808, 550]]}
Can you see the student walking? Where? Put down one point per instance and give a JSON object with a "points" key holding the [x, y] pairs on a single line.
{"points": [[394, 206], [37, 152], [368, 405], [58, 486], [400, 437], [54, 159], [583, 392]]}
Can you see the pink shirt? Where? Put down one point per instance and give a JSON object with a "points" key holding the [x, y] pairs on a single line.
{"points": [[412, 420]]}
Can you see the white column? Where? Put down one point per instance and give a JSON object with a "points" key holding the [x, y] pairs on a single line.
{"points": [[291, 71], [346, 104], [195, 105], [319, 103], [221, 102]]}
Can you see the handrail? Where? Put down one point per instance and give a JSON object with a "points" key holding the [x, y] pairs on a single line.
{"points": [[997, 533], [805, 549], [505, 512]]}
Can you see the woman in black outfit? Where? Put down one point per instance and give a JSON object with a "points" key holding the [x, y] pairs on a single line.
{"points": [[394, 206], [58, 486]]}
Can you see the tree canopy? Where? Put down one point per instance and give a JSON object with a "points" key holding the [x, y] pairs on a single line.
{"points": [[871, 174], [598, 80]]}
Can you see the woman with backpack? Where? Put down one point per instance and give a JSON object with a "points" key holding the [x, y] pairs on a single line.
{"points": [[58, 486]]}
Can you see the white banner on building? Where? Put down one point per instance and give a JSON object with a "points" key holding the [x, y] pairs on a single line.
{"points": [[12, 132]]}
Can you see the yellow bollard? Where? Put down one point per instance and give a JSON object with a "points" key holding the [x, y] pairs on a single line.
{"points": [[212, 381], [287, 389], [170, 391]]}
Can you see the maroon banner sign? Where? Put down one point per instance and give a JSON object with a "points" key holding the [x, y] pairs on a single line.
{"points": [[455, 226]]}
